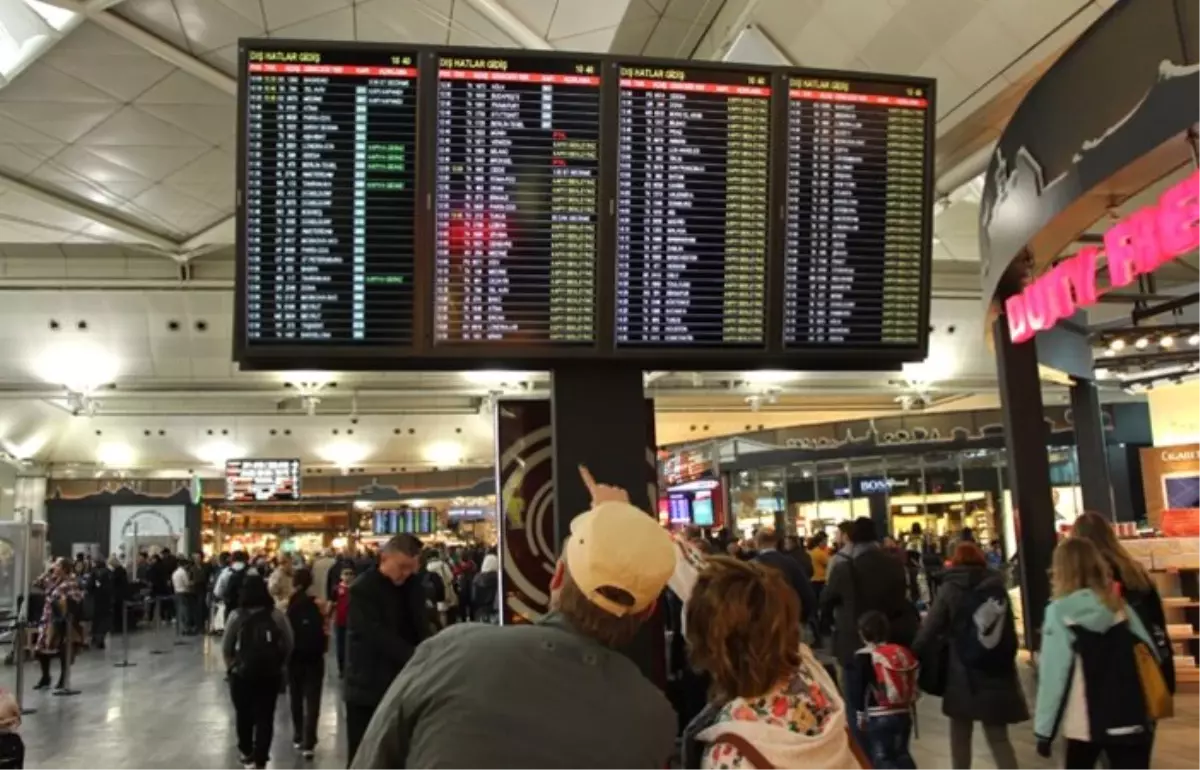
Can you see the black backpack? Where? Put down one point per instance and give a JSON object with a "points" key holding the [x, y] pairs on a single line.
{"points": [[259, 652], [308, 628], [1109, 666], [233, 589], [984, 634]]}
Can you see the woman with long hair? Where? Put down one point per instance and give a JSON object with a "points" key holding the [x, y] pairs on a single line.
{"points": [[1134, 583], [979, 687], [771, 703], [1088, 681]]}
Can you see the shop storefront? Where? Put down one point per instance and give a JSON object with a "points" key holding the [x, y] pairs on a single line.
{"points": [[1092, 202]]}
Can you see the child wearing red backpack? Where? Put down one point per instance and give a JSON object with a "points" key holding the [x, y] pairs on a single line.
{"points": [[888, 673]]}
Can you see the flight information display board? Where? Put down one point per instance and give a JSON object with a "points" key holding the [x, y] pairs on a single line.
{"points": [[328, 150], [254, 480], [516, 200], [854, 253], [693, 152], [434, 207]]}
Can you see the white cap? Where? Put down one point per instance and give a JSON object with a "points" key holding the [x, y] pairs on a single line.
{"points": [[617, 545]]}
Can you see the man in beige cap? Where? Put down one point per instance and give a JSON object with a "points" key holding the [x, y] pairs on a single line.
{"points": [[555, 693]]}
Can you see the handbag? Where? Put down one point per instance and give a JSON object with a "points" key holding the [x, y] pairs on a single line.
{"points": [[935, 668], [1159, 703]]}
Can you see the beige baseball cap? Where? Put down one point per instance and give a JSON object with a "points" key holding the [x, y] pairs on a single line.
{"points": [[620, 546]]}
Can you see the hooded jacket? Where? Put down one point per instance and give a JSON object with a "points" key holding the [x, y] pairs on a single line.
{"points": [[991, 697], [1062, 695], [801, 723]]}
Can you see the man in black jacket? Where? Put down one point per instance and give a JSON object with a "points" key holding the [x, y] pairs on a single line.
{"points": [[869, 578], [386, 623], [768, 554]]}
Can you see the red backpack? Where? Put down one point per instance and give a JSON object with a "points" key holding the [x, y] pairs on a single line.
{"points": [[896, 669]]}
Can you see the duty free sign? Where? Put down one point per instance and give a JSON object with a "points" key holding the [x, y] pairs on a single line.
{"points": [[1134, 246]]}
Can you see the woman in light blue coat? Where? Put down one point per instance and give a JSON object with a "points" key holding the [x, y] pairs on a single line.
{"points": [[1088, 684]]}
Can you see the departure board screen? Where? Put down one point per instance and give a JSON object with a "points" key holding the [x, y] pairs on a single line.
{"points": [[516, 201], [856, 198], [329, 168], [692, 189]]}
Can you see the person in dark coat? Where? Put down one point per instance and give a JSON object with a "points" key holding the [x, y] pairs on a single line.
{"points": [[992, 698], [765, 542], [865, 577], [386, 623], [100, 586]]}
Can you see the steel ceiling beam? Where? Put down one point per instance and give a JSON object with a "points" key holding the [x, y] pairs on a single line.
{"points": [[508, 23], [88, 212]]}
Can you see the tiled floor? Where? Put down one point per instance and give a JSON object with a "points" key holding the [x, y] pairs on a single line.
{"points": [[173, 711]]}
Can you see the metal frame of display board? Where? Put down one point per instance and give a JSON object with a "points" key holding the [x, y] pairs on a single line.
{"points": [[423, 354]]}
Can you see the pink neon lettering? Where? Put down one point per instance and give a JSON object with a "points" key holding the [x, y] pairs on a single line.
{"points": [[1179, 218], [1014, 309], [1082, 268], [1131, 245]]}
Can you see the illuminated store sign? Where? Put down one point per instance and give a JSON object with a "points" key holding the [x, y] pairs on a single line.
{"points": [[1136, 245]]}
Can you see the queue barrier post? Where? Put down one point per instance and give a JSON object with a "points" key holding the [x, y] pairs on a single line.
{"points": [[124, 637], [158, 628], [68, 654], [19, 634]]}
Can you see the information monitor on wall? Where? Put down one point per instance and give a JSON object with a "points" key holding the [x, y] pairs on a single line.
{"points": [[516, 200], [330, 168], [692, 196], [856, 221]]}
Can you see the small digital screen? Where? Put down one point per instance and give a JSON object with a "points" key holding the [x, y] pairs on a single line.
{"points": [[856, 234], [252, 480], [679, 508], [693, 176], [702, 509], [329, 152], [1182, 491], [516, 200]]}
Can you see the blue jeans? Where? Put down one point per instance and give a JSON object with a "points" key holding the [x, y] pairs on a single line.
{"points": [[887, 741], [851, 684]]}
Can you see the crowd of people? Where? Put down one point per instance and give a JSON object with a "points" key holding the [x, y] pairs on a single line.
{"points": [[783, 654]]}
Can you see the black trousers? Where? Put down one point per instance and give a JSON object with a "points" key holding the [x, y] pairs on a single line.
{"points": [[1085, 754], [254, 707], [358, 717], [305, 680]]}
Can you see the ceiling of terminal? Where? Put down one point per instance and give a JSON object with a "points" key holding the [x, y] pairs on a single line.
{"points": [[117, 143]]}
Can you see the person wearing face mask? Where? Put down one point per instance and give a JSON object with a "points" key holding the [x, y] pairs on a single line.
{"points": [[385, 625]]}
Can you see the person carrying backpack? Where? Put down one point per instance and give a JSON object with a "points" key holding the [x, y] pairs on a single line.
{"points": [[306, 666], [256, 647], [1099, 682], [867, 578], [887, 675], [970, 634]]}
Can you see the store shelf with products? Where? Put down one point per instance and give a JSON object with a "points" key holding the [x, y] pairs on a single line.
{"points": [[1174, 565]]}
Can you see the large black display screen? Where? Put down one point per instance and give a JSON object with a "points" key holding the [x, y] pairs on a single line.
{"points": [[328, 151], [856, 200], [693, 147], [516, 200], [433, 207]]}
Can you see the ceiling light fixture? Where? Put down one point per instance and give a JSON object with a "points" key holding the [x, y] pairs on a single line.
{"points": [[442, 453], [115, 455], [80, 367]]}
